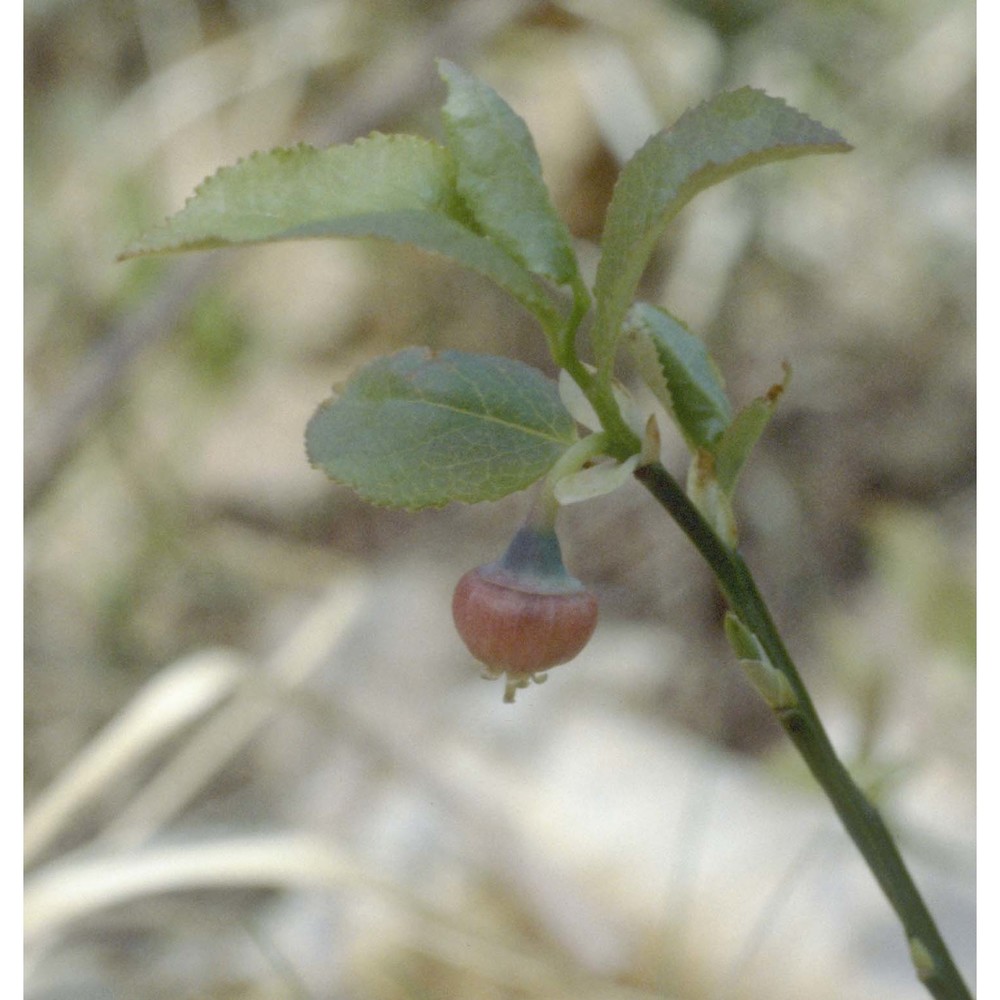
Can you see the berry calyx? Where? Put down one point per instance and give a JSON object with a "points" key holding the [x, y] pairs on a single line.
{"points": [[524, 613]]}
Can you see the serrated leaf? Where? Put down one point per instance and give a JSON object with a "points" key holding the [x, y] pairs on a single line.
{"points": [[264, 196], [500, 176], [735, 445], [418, 429], [732, 132], [676, 365], [400, 188]]}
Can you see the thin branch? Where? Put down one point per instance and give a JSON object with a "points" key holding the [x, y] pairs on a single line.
{"points": [[931, 957]]}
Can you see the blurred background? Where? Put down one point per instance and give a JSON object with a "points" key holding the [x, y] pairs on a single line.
{"points": [[259, 763]]}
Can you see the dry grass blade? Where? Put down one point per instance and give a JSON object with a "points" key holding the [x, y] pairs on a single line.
{"points": [[73, 889], [221, 737], [173, 699], [70, 889]]}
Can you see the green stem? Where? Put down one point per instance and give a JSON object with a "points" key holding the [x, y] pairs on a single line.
{"points": [[620, 441], [931, 957], [581, 306]]}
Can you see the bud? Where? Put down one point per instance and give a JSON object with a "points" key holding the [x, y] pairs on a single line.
{"points": [[524, 613], [770, 682], [923, 960]]}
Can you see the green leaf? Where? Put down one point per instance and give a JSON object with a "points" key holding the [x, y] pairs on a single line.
{"points": [[418, 429], [735, 445], [400, 188], [442, 235], [266, 195], [500, 176], [732, 132], [677, 367]]}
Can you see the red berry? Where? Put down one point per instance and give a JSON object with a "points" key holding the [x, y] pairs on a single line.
{"points": [[524, 613]]}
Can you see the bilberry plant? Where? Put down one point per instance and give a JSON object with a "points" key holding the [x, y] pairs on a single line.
{"points": [[420, 429]]}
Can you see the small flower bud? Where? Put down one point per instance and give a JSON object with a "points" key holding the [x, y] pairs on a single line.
{"points": [[524, 613]]}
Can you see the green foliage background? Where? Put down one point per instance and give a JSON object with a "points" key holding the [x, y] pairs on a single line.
{"points": [[171, 508]]}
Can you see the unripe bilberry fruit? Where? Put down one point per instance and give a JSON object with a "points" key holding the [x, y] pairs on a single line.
{"points": [[524, 613]]}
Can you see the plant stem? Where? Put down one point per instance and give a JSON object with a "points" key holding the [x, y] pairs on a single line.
{"points": [[931, 957]]}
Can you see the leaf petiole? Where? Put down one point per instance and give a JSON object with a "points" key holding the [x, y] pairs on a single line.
{"points": [[572, 460]]}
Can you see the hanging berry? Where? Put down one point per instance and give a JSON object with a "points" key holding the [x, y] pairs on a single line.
{"points": [[524, 613]]}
